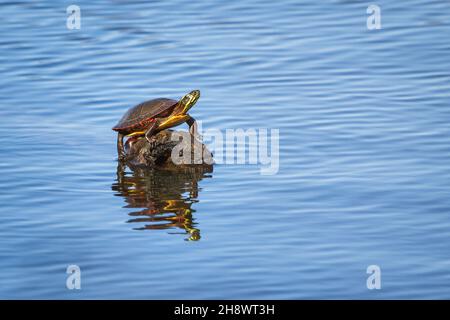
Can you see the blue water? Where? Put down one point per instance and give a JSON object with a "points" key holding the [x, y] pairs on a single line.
{"points": [[364, 177]]}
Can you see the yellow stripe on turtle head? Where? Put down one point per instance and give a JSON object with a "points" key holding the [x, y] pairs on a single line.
{"points": [[137, 133], [173, 121], [189, 100]]}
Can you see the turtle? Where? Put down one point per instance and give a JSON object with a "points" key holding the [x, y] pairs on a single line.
{"points": [[150, 117]]}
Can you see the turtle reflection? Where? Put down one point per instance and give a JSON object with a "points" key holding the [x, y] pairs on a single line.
{"points": [[163, 198]]}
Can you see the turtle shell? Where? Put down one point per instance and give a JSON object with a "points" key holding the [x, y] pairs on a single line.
{"points": [[144, 113]]}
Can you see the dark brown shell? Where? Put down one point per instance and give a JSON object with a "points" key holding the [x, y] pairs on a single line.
{"points": [[148, 110]]}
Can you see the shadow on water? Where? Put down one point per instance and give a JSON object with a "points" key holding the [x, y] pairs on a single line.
{"points": [[162, 198]]}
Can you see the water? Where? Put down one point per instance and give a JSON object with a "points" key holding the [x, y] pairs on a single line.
{"points": [[364, 173]]}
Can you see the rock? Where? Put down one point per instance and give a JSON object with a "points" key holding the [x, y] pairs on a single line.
{"points": [[140, 154]]}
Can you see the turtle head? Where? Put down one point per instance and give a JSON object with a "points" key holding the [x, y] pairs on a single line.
{"points": [[188, 101], [179, 114]]}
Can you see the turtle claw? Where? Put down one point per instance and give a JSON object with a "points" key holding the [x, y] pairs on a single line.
{"points": [[198, 137], [122, 156], [152, 143]]}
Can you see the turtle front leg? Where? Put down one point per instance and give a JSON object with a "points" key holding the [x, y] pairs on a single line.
{"points": [[193, 128], [196, 153], [149, 134], [120, 150]]}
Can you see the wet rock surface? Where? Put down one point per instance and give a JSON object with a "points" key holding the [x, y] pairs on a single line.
{"points": [[169, 150]]}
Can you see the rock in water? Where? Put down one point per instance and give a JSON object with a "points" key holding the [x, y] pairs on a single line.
{"points": [[170, 150]]}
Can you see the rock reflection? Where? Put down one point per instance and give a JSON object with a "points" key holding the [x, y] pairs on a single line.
{"points": [[162, 198]]}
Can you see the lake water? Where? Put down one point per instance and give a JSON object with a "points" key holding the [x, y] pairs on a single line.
{"points": [[364, 172]]}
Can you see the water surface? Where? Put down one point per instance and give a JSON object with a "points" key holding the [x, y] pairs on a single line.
{"points": [[364, 173]]}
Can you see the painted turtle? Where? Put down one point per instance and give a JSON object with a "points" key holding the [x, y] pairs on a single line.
{"points": [[152, 116]]}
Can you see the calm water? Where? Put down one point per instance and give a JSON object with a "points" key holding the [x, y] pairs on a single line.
{"points": [[364, 150]]}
